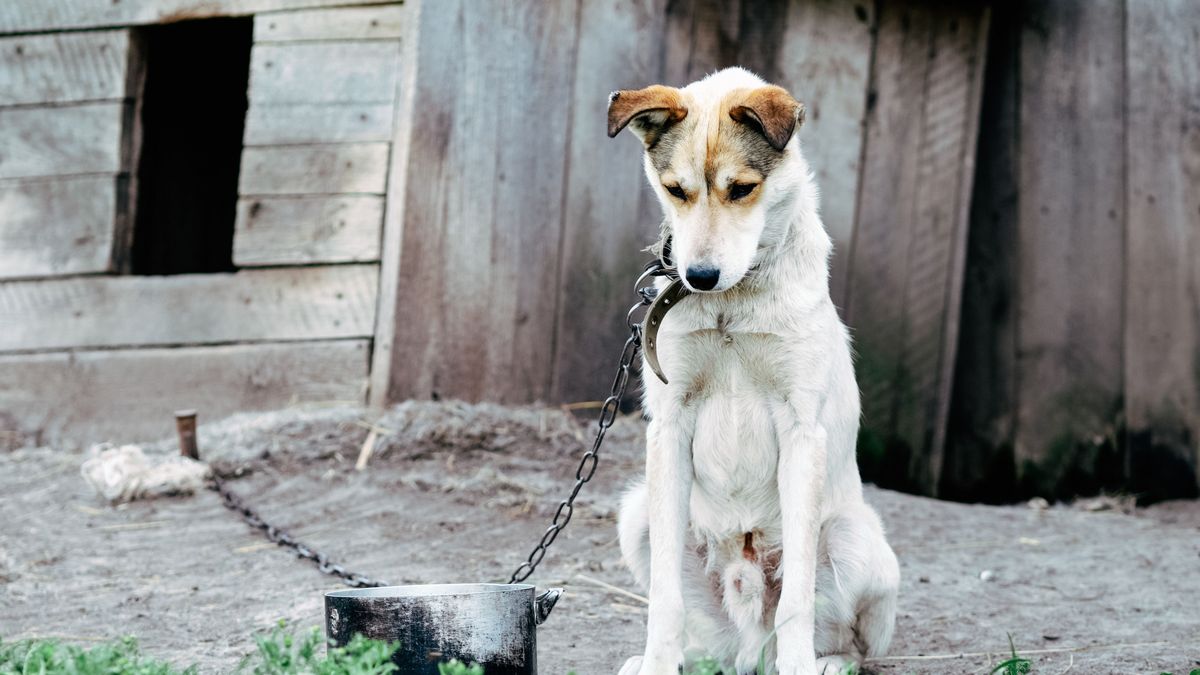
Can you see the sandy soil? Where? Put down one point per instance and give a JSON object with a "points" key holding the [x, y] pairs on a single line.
{"points": [[456, 493]]}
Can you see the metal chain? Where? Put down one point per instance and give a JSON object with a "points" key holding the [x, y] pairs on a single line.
{"points": [[566, 508], [275, 534], [608, 415]]}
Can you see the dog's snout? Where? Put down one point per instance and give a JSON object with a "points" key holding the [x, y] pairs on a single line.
{"points": [[703, 278]]}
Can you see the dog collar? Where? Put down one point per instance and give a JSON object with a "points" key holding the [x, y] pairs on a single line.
{"points": [[664, 301]]}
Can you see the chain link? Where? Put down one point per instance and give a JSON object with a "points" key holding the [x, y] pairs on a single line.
{"points": [[608, 415], [282, 538], [566, 508]]}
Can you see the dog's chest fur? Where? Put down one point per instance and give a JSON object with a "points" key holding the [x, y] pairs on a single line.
{"points": [[727, 364]]}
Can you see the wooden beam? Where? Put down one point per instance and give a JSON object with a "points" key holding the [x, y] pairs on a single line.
{"points": [[47, 15], [610, 215], [385, 373], [51, 141], [324, 72], [909, 243], [1162, 300], [1071, 234], [251, 305], [306, 230], [57, 226], [303, 123], [128, 395], [484, 202], [340, 23], [314, 169], [63, 68]]}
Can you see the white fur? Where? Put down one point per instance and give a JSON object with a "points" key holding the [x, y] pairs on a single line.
{"points": [[755, 433]]}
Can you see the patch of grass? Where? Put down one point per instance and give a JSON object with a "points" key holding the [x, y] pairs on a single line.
{"points": [[1014, 665], [281, 652], [456, 667], [50, 657]]}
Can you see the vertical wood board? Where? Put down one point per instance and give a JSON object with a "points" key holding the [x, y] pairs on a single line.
{"points": [[910, 236], [1162, 308], [610, 215], [484, 202], [1070, 275]]}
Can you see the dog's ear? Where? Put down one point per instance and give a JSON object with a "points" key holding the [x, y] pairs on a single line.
{"points": [[771, 111], [651, 111]]}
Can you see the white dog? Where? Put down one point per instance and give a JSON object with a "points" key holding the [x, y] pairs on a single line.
{"points": [[750, 459]]}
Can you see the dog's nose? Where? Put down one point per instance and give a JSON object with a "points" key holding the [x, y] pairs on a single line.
{"points": [[703, 278]]}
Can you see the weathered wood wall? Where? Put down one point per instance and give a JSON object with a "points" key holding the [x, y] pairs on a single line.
{"points": [[523, 224], [1080, 360], [89, 351]]}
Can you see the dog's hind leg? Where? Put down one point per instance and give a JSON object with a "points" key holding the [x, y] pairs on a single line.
{"points": [[857, 581]]}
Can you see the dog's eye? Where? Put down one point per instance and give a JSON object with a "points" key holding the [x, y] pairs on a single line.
{"points": [[676, 192], [739, 190]]}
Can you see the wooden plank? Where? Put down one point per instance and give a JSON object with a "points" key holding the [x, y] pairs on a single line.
{"points": [[45, 15], [384, 372], [324, 72], [978, 463], [129, 394], [63, 68], [825, 61], [910, 236], [484, 201], [610, 216], [74, 139], [308, 123], [1162, 307], [305, 230], [57, 226], [1070, 238], [251, 305], [342, 23], [314, 169]]}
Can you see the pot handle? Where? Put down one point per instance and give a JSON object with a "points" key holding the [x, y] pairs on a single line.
{"points": [[543, 603]]}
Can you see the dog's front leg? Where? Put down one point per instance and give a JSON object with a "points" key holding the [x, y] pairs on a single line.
{"points": [[801, 481], [669, 488]]}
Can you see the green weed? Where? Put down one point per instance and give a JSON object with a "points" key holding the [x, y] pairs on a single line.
{"points": [[50, 657], [1015, 665]]}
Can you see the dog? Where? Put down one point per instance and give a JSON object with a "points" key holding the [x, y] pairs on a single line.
{"points": [[749, 532]]}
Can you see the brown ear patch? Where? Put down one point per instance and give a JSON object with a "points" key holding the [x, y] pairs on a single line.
{"points": [[662, 105], [772, 111]]}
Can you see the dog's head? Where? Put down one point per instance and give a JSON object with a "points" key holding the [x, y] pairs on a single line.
{"points": [[717, 156]]}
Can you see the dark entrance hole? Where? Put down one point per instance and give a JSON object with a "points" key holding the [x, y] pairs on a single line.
{"points": [[192, 117]]}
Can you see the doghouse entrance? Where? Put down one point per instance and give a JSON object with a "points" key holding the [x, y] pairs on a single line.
{"points": [[192, 116]]}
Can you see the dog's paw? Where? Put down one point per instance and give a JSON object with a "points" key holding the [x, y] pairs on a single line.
{"points": [[801, 667], [632, 667], [652, 665], [837, 664]]}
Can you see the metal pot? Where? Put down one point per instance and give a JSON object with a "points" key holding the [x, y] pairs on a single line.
{"points": [[493, 625]]}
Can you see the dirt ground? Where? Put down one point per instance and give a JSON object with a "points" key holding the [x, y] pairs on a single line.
{"points": [[459, 493]]}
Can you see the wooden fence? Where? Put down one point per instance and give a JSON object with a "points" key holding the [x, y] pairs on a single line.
{"points": [[1079, 359], [523, 223]]}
